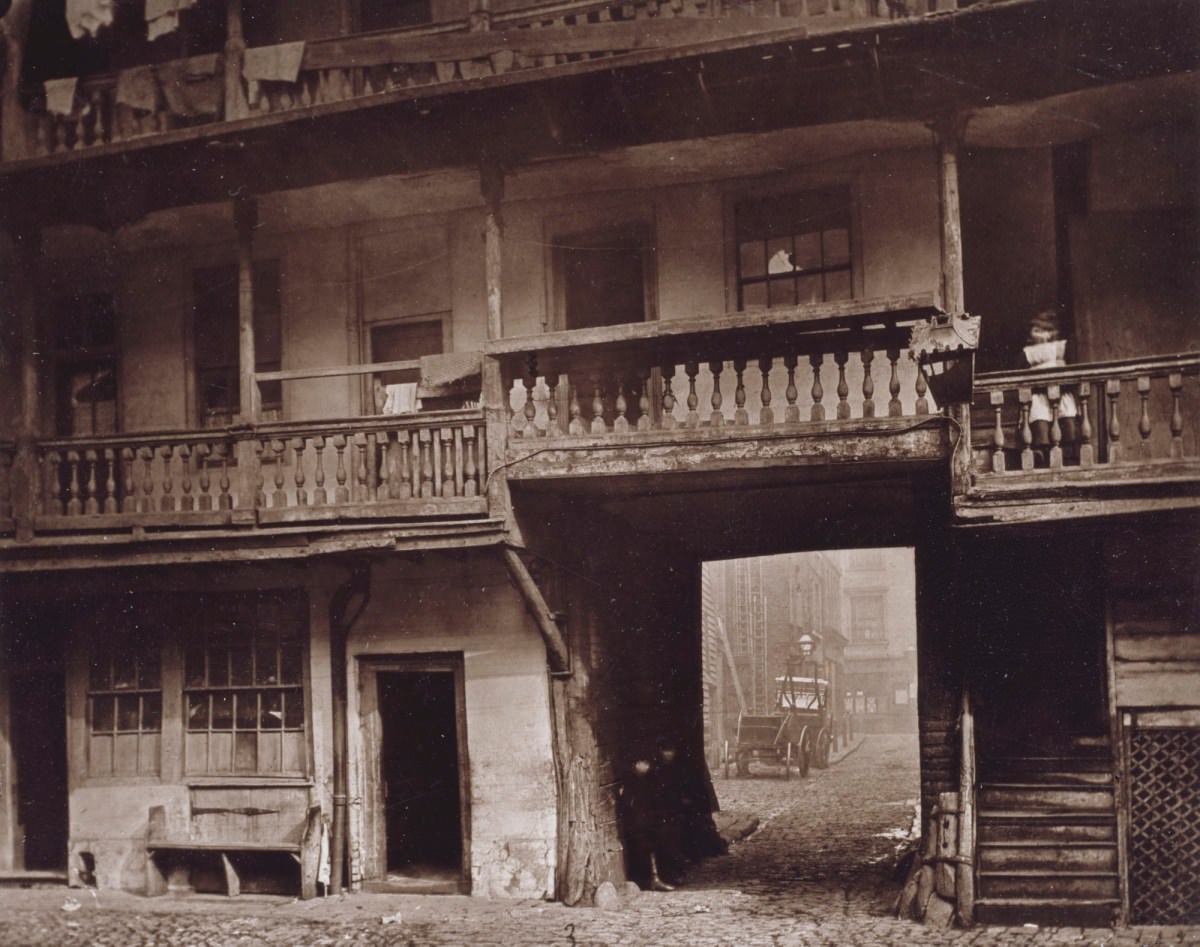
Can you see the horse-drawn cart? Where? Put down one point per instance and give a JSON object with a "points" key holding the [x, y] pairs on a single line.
{"points": [[797, 734]]}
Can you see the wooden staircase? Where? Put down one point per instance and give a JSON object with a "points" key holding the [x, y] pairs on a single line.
{"points": [[1047, 838]]}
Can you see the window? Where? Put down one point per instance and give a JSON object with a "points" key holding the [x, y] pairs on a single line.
{"points": [[793, 249], [604, 277], [125, 702], [244, 689], [85, 365], [405, 341], [215, 304], [866, 617]]}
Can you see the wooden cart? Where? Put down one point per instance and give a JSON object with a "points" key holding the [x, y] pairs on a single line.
{"points": [[798, 734]]}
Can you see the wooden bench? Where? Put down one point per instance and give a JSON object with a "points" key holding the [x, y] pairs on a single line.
{"points": [[236, 834]]}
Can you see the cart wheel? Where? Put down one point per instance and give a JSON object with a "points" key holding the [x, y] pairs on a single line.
{"points": [[803, 752], [787, 760], [823, 742], [725, 760]]}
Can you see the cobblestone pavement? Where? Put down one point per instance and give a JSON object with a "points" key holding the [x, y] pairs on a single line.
{"points": [[818, 872]]}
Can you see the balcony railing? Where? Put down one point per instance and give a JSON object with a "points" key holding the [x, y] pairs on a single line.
{"points": [[1114, 415], [342, 68]]}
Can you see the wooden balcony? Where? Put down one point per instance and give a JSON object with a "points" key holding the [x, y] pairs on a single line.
{"points": [[1120, 436], [109, 111]]}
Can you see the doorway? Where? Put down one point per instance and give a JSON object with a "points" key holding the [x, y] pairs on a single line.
{"points": [[415, 721]]}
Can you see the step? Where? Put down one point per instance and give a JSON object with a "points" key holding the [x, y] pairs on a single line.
{"points": [[1040, 856], [1059, 885], [1045, 769], [1048, 912], [1045, 796], [1023, 826]]}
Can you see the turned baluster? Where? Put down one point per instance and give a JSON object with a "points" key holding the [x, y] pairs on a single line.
{"points": [[843, 389], [1025, 399], [1087, 454], [341, 493], [425, 439], [740, 415], [598, 425], [1112, 389], [298, 450], [203, 452], [187, 502], [765, 415], [361, 491], [668, 418], [90, 503], [405, 460], [643, 421], [129, 487], [717, 418], [895, 409], [74, 503], [1175, 383], [868, 385], [620, 410], [224, 497], [791, 414], [692, 369], [320, 496], [147, 456], [260, 479], [575, 423], [1143, 390], [529, 429], [921, 386], [1054, 396], [552, 426], [470, 467], [448, 466], [110, 481], [54, 499], [997, 401], [817, 413], [278, 451], [167, 501]]}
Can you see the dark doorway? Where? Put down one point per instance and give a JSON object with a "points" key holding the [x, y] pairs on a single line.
{"points": [[419, 773], [605, 277]]}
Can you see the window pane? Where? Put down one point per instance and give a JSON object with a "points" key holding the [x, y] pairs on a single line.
{"points": [[837, 285], [99, 678], [782, 292], [809, 289], [750, 259], [148, 667], [808, 251], [193, 663], [272, 710], [247, 710], [266, 656], [102, 714], [754, 295], [293, 709], [837, 246], [222, 711], [242, 666], [218, 667], [127, 712], [197, 711], [292, 664], [124, 668], [779, 255], [245, 752], [151, 712]]}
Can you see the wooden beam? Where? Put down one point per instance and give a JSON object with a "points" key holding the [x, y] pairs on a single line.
{"points": [[491, 186], [556, 648], [965, 867], [245, 216]]}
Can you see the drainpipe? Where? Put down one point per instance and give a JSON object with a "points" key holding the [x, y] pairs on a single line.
{"points": [[356, 590], [556, 648]]}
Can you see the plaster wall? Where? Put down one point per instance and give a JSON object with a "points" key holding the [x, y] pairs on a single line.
{"points": [[439, 605]]}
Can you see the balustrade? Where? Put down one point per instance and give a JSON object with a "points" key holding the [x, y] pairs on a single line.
{"points": [[1112, 413]]}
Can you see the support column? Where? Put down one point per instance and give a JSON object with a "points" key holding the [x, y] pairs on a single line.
{"points": [[18, 131], [235, 50], [245, 217], [27, 244], [491, 185]]}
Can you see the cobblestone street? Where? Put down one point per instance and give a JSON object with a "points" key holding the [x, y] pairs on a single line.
{"points": [[819, 870]]}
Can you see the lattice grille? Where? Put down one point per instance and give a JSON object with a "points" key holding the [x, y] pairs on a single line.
{"points": [[1164, 826]]}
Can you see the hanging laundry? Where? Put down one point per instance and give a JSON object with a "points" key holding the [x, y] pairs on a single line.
{"points": [[86, 17], [162, 16], [138, 88], [191, 87], [402, 399], [279, 63], [60, 95]]}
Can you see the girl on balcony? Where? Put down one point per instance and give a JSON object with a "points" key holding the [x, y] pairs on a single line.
{"points": [[1046, 350]]}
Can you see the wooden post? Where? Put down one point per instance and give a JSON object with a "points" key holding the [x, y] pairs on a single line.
{"points": [[245, 217], [966, 816], [491, 185], [235, 51], [18, 130], [24, 482]]}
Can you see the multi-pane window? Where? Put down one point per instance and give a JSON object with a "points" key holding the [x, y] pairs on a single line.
{"points": [[85, 365], [866, 617], [244, 690], [793, 249], [125, 703]]}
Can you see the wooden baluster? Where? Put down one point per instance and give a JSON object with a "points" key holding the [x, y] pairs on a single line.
{"points": [[167, 501], [868, 385], [129, 487], [843, 389], [741, 416], [717, 418], [449, 467], [187, 502], [997, 401], [358, 458], [91, 505], [791, 414], [621, 407], [598, 425], [668, 418], [922, 405], [260, 479], [404, 443], [298, 444], [553, 429], [643, 421], [54, 499], [1143, 390], [895, 408], [1087, 453], [1025, 399], [110, 481], [341, 493], [147, 456], [320, 496], [765, 414], [74, 503], [224, 496], [203, 452], [692, 369], [425, 439], [1112, 388], [279, 450], [1054, 396], [376, 470], [1175, 383], [575, 423], [529, 429], [470, 466], [816, 359]]}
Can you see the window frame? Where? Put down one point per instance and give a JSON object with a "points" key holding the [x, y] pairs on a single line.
{"points": [[879, 596], [102, 356], [120, 624]]}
